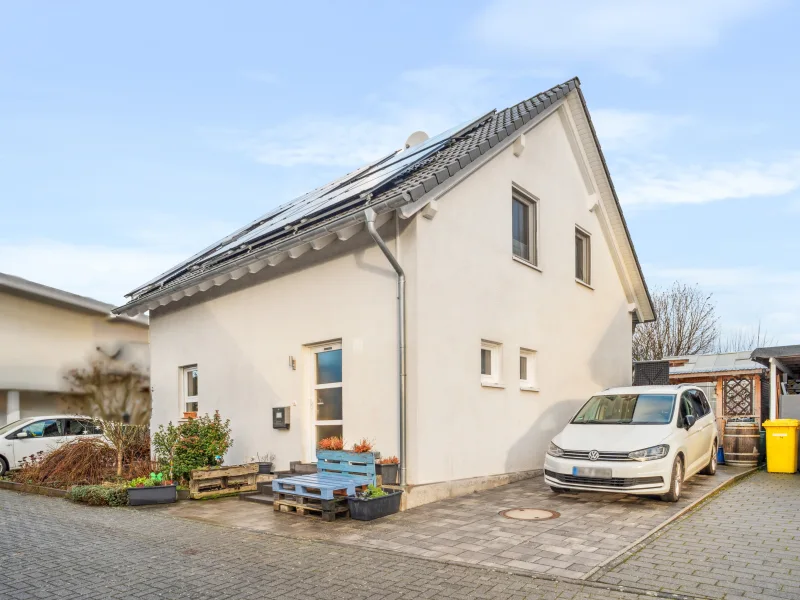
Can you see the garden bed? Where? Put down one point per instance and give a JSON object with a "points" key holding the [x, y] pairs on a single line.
{"points": [[32, 489]]}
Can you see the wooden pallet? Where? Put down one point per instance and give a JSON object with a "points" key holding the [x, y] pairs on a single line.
{"points": [[223, 481], [327, 510]]}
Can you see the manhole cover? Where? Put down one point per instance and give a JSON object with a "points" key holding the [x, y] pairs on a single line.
{"points": [[529, 514]]}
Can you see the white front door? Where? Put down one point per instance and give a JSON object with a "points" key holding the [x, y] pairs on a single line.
{"points": [[326, 393]]}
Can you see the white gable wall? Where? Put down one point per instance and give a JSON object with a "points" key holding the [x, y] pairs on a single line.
{"points": [[469, 288]]}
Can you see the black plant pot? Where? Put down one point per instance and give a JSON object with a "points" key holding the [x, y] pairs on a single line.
{"points": [[389, 473], [264, 468], [157, 494], [367, 509]]}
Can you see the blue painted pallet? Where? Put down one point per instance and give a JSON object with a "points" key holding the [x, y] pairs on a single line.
{"points": [[337, 471]]}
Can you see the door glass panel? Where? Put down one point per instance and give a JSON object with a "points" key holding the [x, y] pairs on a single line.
{"points": [[324, 431], [329, 404], [329, 367]]}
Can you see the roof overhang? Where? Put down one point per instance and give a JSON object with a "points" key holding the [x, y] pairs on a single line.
{"points": [[338, 230], [715, 374], [56, 297]]}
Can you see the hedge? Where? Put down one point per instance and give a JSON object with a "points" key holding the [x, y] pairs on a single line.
{"points": [[99, 495]]}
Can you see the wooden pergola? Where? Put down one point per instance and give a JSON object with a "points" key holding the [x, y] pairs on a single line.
{"points": [[738, 392]]}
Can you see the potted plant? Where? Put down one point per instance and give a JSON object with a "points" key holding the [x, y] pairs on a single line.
{"points": [[373, 503], [264, 462], [387, 468], [154, 489], [331, 443], [190, 414]]}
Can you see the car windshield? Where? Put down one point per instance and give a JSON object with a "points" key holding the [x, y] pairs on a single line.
{"points": [[13, 425], [636, 409]]}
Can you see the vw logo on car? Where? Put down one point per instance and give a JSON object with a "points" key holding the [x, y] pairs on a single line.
{"points": [[594, 455]]}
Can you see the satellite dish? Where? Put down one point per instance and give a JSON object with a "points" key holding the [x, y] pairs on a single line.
{"points": [[416, 138]]}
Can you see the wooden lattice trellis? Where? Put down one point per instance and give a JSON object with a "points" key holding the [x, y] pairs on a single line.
{"points": [[738, 397]]}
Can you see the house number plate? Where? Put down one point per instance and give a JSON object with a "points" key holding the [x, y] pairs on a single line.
{"points": [[591, 472]]}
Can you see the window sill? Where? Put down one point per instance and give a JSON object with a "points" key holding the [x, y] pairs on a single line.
{"points": [[522, 261], [492, 384], [528, 388], [583, 283]]}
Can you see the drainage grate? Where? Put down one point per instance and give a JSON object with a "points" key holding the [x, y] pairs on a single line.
{"points": [[529, 514]]}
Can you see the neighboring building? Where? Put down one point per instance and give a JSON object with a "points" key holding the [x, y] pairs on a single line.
{"points": [[44, 332], [736, 386], [783, 365], [521, 285]]}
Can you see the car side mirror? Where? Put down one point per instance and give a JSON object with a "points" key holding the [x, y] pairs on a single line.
{"points": [[690, 421], [22, 434]]}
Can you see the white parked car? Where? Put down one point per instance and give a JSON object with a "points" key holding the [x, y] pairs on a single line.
{"points": [[25, 437], [637, 440]]}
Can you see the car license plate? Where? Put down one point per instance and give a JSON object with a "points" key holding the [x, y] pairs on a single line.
{"points": [[592, 472]]}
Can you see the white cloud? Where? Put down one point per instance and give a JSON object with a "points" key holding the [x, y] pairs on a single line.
{"points": [[662, 183], [626, 33], [746, 296], [431, 99], [620, 129]]}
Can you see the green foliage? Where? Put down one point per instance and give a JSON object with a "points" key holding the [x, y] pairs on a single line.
{"points": [[152, 480], [197, 443], [99, 495], [374, 492]]}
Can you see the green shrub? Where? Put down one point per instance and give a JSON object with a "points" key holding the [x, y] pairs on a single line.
{"points": [[197, 443], [99, 495]]}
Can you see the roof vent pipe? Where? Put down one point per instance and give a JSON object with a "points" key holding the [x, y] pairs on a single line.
{"points": [[370, 215]]}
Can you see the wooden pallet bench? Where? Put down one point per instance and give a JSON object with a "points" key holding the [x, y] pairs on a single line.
{"points": [[205, 483], [327, 510], [339, 475]]}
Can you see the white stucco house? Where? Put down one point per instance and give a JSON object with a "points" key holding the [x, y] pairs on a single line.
{"points": [[454, 301], [44, 332]]}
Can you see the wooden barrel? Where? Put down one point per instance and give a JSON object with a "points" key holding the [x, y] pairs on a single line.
{"points": [[740, 443]]}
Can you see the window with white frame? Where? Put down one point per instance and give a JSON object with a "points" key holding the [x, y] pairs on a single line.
{"points": [[527, 370], [523, 226], [583, 256], [327, 391], [191, 396], [491, 363]]}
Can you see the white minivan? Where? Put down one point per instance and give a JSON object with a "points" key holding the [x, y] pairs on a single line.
{"points": [[26, 437], [636, 440]]}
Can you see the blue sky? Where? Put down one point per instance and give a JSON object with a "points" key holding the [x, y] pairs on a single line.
{"points": [[132, 136]]}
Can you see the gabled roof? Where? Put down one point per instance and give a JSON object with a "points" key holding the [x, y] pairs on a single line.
{"points": [[336, 210], [49, 295]]}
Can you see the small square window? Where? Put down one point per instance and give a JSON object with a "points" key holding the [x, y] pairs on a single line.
{"points": [[527, 370], [583, 256], [523, 227], [491, 355]]}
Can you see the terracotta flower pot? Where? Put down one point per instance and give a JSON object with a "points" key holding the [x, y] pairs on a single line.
{"points": [[190, 415]]}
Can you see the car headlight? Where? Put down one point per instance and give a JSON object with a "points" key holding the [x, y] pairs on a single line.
{"points": [[554, 450], [653, 453]]}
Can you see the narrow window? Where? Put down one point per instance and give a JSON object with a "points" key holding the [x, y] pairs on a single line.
{"points": [[523, 227], [191, 394], [327, 391], [583, 256], [527, 370], [490, 363]]}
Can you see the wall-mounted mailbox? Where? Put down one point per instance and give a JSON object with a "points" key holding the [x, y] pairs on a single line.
{"points": [[280, 417]]}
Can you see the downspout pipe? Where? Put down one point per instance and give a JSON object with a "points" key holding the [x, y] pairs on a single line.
{"points": [[369, 216]]}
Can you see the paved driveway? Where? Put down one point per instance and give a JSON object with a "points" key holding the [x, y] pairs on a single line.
{"points": [[50, 548], [745, 543], [592, 527]]}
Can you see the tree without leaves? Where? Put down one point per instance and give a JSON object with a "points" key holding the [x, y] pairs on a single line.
{"points": [[113, 391], [744, 339], [686, 323]]}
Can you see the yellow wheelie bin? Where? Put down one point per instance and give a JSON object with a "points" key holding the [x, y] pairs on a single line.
{"points": [[782, 445]]}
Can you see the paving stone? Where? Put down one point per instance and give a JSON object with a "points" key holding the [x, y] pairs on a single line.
{"points": [[733, 545]]}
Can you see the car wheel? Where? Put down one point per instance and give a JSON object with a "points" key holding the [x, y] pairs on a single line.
{"points": [[711, 467], [559, 490], [676, 483], [3, 466]]}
